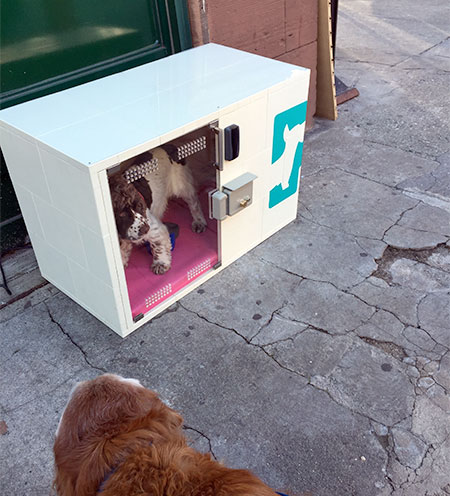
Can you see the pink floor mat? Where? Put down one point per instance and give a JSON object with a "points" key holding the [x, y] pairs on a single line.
{"points": [[193, 255]]}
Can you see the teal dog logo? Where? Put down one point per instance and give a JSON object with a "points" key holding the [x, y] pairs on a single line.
{"points": [[287, 151]]}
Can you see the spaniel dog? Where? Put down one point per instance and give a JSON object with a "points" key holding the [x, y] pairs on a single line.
{"points": [[139, 206], [117, 438]]}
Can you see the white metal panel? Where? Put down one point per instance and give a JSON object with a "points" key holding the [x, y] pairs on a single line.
{"points": [[94, 122], [71, 190], [286, 127], [97, 97], [54, 266], [61, 231], [96, 296], [250, 116], [24, 163], [241, 232], [29, 212], [259, 165], [99, 259]]}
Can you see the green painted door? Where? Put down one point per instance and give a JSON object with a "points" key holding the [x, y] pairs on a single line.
{"points": [[49, 45]]}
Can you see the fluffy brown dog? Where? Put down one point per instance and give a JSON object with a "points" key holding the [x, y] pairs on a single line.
{"points": [[117, 438]]}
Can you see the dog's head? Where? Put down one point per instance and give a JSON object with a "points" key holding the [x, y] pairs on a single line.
{"points": [[130, 209], [103, 419]]}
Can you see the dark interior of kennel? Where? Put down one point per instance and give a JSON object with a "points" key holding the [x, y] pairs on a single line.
{"points": [[194, 253]]}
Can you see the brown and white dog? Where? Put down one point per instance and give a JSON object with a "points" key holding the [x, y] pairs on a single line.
{"points": [[138, 214], [117, 438]]}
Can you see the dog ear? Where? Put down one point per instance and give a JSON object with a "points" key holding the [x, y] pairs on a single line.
{"points": [[145, 191], [122, 194]]}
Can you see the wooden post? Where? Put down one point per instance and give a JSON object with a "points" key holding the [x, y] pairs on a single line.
{"points": [[326, 90]]}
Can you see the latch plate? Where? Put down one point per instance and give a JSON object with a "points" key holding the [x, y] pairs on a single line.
{"points": [[239, 192], [235, 196]]}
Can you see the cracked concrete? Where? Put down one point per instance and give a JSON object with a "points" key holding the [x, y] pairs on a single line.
{"points": [[321, 359]]}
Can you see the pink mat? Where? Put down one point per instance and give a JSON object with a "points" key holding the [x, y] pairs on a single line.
{"points": [[193, 255]]}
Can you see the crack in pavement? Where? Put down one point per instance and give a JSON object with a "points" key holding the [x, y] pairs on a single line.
{"points": [[317, 223], [434, 46], [374, 306], [202, 317], [370, 62], [413, 476], [275, 312], [393, 349], [172, 309], [83, 353], [329, 394], [414, 152], [284, 340], [399, 219], [24, 294], [380, 183], [420, 196], [390, 348], [247, 341], [391, 255], [292, 371], [46, 393], [186, 427], [335, 286]]}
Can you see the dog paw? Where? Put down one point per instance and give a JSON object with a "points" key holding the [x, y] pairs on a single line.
{"points": [[159, 268], [198, 226]]}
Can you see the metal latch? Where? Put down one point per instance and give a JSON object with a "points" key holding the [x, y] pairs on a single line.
{"points": [[235, 196]]}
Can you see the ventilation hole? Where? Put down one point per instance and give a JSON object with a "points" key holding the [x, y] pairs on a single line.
{"points": [[158, 295], [198, 269]]}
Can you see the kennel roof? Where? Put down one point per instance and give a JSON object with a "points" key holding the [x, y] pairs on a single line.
{"points": [[95, 122]]}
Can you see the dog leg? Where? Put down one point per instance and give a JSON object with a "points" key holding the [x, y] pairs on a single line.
{"points": [[189, 195], [125, 250], [199, 221], [159, 239]]}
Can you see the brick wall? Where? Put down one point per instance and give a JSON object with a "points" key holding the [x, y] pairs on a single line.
{"points": [[281, 29]]}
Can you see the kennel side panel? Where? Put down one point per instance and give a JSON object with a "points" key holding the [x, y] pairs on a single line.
{"points": [[23, 161], [60, 209], [286, 117]]}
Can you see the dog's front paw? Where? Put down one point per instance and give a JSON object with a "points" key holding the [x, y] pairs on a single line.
{"points": [[159, 268], [198, 226]]}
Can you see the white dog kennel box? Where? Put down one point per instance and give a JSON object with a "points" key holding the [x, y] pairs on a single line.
{"points": [[238, 118]]}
